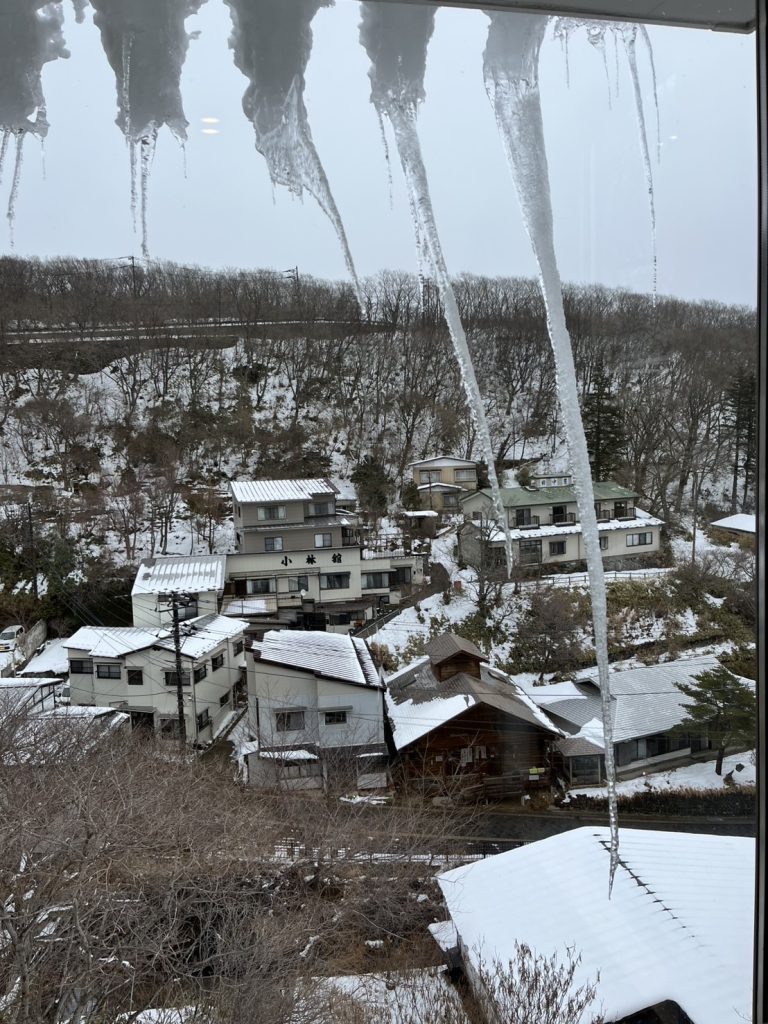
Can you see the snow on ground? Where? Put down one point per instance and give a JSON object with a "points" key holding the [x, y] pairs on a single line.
{"points": [[693, 776]]}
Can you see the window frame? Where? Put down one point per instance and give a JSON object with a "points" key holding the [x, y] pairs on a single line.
{"points": [[284, 717], [326, 542], [217, 662], [325, 576], [335, 717], [134, 672], [81, 672], [263, 513], [272, 544], [110, 671]]}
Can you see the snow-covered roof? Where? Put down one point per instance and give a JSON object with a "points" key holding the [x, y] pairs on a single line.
{"points": [[113, 641], [331, 655], [448, 645], [644, 701], [443, 461], [199, 636], [251, 606], [678, 925], [424, 513], [741, 523], [520, 497], [52, 659], [248, 491], [440, 488], [295, 754], [204, 634], [417, 702], [641, 521], [193, 574]]}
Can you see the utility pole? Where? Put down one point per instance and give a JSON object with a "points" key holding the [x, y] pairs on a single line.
{"points": [[179, 687], [32, 552]]}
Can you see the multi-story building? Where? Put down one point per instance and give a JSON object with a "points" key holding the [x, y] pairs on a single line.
{"points": [[442, 481], [304, 560], [197, 579], [315, 702], [134, 670], [545, 530]]}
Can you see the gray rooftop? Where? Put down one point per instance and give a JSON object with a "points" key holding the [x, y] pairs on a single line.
{"points": [[521, 497], [448, 645]]}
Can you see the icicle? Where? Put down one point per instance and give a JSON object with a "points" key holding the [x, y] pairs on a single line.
{"points": [[151, 38], [396, 39], [132, 147], [596, 36], [4, 149], [511, 80], [125, 83], [147, 156], [43, 168], [652, 62], [14, 195], [629, 35], [616, 59], [385, 146], [272, 42]]}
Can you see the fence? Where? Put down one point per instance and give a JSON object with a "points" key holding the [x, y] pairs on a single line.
{"points": [[581, 579]]}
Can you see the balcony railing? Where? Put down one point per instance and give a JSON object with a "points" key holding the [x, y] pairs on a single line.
{"points": [[563, 519], [531, 523]]}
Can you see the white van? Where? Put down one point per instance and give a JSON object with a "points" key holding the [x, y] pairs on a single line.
{"points": [[11, 637]]}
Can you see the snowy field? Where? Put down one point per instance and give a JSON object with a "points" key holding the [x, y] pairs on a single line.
{"points": [[694, 776]]}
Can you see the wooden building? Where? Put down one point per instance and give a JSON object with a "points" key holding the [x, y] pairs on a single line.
{"points": [[454, 720]]}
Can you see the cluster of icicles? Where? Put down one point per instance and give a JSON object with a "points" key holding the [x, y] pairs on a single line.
{"points": [[146, 43]]}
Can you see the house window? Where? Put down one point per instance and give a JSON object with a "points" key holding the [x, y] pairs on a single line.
{"points": [[81, 667], [170, 678], [335, 717], [298, 583], [375, 580], [603, 543], [203, 720], [465, 474], [401, 575], [320, 508], [450, 501], [430, 476], [334, 580], [323, 540], [216, 662], [637, 539], [267, 586], [201, 672], [135, 677], [224, 699], [273, 543], [289, 721], [239, 647], [269, 513], [108, 671], [520, 517], [557, 547], [530, 552]]}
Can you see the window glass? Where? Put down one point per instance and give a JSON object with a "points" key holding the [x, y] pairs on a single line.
{"points": [[323, 540]]}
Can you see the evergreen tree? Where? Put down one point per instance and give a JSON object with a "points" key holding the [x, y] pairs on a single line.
{"points": [[604, 427], [724, 708], [741, 420], [373, 485]]}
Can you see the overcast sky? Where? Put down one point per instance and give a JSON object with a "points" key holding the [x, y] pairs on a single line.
{"points": [[226, 213]]}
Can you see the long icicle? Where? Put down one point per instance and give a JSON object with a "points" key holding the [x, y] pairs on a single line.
{"points": [[396, 39], [511, 80], [4, 149], [654, 86], [629, 36], [16, 181], [147, 146]]}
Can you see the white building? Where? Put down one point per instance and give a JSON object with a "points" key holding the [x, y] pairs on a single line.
{"points": [[134, 669], [675, 933], [200, 578], [315, 702], [301, 559]]}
